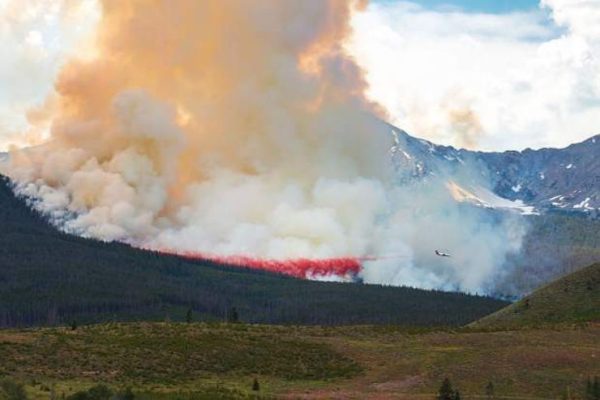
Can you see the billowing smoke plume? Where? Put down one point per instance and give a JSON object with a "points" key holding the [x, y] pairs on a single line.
{"points": [[238, 129], [37, 37]]}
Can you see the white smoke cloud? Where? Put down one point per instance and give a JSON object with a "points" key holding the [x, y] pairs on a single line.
{"points": [[252, 139], [37, 37], [523, 79]]}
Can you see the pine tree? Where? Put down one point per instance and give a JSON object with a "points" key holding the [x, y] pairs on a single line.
{"points": [[589, 389], [127, 394], [446, 392], [489, 390], [592, 389], [233, 316]]}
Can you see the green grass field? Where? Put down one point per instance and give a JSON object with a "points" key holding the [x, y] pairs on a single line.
{"points": [[195, 361], [571, 299]]}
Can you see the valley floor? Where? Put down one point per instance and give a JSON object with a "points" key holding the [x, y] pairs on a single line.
{"points": [[169, 360]]}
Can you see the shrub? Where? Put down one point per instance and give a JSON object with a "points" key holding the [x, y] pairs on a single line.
{"points": [[11, 390], [127, 394], [446, 392], [98, 392]]}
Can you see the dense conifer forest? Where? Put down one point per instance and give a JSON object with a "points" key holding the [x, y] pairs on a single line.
{"points": [[49, 278]]}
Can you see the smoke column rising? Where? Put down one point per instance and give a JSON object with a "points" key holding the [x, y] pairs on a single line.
{"points": [[238, 130]]}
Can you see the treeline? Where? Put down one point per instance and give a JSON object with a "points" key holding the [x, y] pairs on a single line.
{"points": [[12, 390], [50, 278], [590, 392]]}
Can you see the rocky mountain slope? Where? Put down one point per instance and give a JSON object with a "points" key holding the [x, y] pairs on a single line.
{"points": [[566, 180]]}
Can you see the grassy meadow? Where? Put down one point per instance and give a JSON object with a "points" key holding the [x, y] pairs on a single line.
{"points": [[212, 361], [571, 299]]}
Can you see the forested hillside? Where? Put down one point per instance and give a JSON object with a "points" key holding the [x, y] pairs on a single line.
{"points": [[47, 277]]}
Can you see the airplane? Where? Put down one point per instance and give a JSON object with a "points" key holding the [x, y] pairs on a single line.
{"points": [[441, 254]]}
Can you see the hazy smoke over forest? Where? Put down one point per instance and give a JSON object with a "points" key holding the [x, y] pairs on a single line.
{"points": [[239, 128]]}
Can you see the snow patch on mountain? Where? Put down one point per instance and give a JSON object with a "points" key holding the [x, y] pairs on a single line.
{"points": [[483, 197], [585, 204]]}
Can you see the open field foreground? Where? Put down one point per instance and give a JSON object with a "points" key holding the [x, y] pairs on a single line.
{"points": [[197, 361]]}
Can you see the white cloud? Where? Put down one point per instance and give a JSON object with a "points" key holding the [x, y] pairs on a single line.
{"points": [[486, 81], [581, 17]]}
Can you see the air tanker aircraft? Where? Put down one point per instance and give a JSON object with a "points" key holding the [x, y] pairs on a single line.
{"points": [[441, 254]]}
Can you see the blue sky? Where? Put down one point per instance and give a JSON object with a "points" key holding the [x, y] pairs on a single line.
{"points": [[488, 6]]}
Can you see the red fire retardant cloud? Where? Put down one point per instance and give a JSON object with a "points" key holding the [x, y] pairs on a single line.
{"points": [[299, 268]]}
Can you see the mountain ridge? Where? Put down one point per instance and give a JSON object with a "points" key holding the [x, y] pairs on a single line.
{"points": [[548, 179]]}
